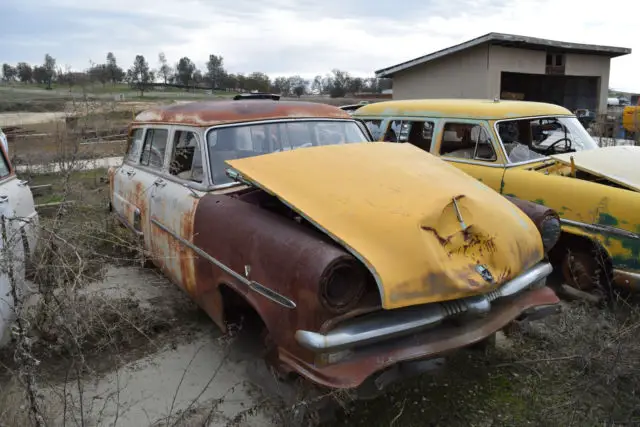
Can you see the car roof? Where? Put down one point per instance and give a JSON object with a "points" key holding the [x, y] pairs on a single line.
{"points": [[210, 113], [461, 108]]}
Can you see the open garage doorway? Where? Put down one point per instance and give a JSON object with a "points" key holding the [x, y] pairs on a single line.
{"points": [[571, 92]]}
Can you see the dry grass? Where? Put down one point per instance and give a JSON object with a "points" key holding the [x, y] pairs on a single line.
{"points": [[581, 368]]}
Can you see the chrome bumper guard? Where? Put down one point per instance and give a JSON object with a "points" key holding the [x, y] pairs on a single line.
{"points": [[385, 325]]}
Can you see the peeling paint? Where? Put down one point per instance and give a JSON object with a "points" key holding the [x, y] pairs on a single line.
{"points": [[210, 113]]}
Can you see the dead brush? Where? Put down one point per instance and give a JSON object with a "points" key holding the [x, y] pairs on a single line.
{"points": [[591, 356]]}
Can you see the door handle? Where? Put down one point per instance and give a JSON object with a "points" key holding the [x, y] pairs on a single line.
{"points": [[4, 199], [23, 182], [159, 182], [131, 172]]}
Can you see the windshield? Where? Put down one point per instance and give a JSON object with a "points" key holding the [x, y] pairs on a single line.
{"points": [[237, 142], [531, 139]]}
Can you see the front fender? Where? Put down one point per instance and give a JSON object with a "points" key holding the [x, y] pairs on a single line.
{"points": [[277, 253]]}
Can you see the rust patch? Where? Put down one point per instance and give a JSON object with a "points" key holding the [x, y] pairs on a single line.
{"points": [[211, 113], [283, 256], [187, 257]]}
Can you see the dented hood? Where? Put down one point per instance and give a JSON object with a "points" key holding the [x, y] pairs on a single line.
{"points": [[391, 205], [618, 164]]}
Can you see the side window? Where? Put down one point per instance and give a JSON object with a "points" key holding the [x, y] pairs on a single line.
{"points": [[186, 158], [135, 145], [155, 144], [467, 141], [393, 129], [416, 132], [4, 167], [374, 127]]}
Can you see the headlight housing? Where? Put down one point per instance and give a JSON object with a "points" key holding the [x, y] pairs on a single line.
{"points": [[550, 230], [546, 220], [342, 286]]}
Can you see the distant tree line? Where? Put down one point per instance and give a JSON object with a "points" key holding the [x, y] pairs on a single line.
{"points": [[185, 75]]}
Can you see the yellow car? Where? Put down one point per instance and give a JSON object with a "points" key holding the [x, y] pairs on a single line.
{"points": [[631, 121], [538, 152]]}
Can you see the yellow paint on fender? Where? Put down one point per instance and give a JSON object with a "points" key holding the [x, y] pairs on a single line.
{"points": [[392, 206]]}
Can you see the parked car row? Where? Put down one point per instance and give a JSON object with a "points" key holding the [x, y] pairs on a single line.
{"points": [[371, 241]]}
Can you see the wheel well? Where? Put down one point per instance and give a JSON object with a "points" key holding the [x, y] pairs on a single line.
{"points": [[572, 242], [239, 312]]}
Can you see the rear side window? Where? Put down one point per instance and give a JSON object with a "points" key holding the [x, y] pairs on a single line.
{"points": [[186, 159], [415, 132], [155, 145], [467, 141], [374, 128], [4, 167], [135, 145]]}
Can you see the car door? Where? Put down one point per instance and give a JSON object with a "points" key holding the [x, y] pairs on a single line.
{"points": [[127, 203], [18, 234], [468, 145], [150, 177], [174, 198]]}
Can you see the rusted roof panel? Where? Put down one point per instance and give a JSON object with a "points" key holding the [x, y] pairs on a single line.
{"points": [[211, 113]]}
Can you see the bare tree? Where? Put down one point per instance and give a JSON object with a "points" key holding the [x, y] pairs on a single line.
{"points": [[215, 71], [8, 72], [139, 75], [185, 70], [25, 72], [50, 69], [115, 73], [165, 69]]}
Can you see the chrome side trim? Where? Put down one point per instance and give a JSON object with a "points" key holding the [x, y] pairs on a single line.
{"points": [[384, 325], [601, 228], [255, 286], [126, 223]]}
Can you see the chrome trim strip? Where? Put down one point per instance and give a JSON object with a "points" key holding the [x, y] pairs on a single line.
{"points": [[384, 325], [472, 162], [255, 286], [125, 222], [601, 228]]}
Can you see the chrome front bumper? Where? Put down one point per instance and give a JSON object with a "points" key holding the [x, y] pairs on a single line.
{"points": [[385, 325]]}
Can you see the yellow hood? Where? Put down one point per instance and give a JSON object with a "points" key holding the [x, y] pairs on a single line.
{"points": [[391, 205], [618, 164]]}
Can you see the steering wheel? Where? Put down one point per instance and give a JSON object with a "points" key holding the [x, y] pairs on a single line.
{"points": [[567, 145]]}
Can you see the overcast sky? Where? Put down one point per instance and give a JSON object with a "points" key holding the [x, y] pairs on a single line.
{"points": [[306, 37]]}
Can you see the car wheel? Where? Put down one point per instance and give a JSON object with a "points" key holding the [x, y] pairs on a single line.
{"points": [[582, 270]]}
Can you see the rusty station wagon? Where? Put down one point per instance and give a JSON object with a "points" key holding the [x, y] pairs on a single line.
{"points": [[360, 258], [538, 152]]}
